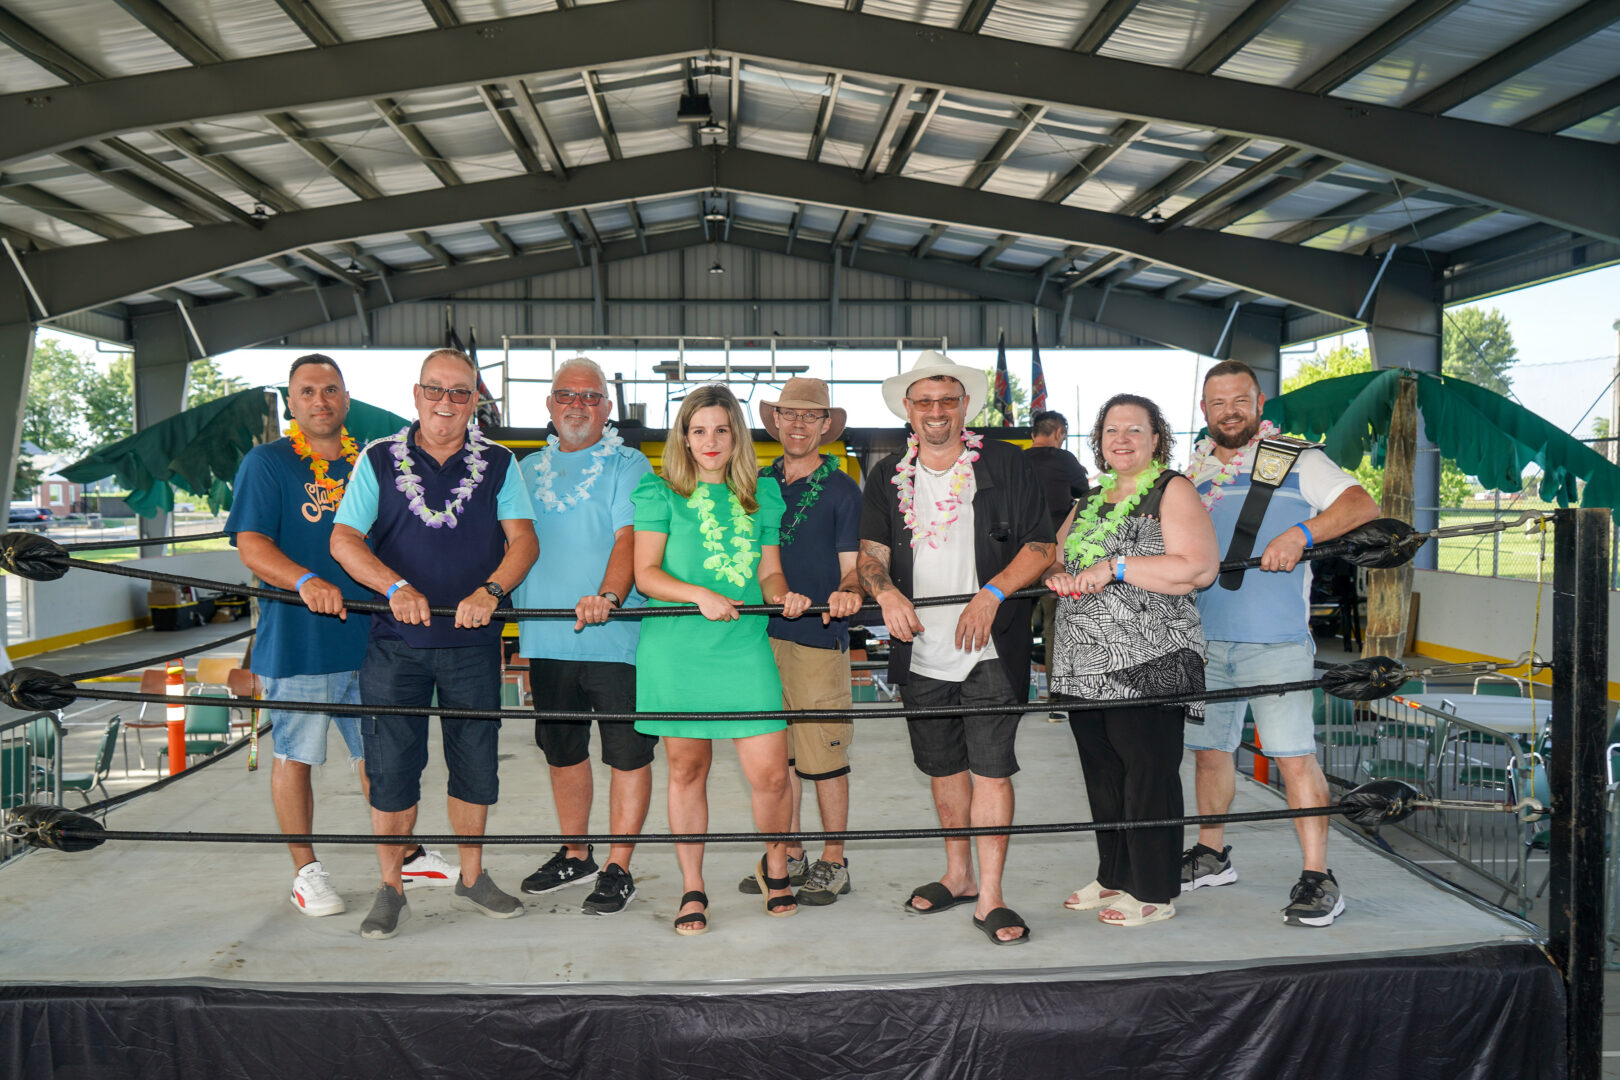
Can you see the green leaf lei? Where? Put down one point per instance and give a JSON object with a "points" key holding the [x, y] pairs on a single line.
{"points": [[827, 467], [1087, 534], [735, 568]]}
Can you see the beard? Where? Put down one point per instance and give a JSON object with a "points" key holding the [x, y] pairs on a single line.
{"points": [[575, 431], [1238, 440]]}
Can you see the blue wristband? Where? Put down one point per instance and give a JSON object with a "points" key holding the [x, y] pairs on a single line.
{"points": [[1310, 541], [1119, 569], [303, 579], [995, 592], [395, 587]]}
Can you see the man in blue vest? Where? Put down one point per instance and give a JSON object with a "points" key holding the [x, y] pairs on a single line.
{"points": [[1284, 496], [435, 516]]}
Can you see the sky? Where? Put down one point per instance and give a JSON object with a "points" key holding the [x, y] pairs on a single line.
{"points": [[1563, 330]]}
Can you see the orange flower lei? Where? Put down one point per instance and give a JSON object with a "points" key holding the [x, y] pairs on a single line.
{"points": [[347, 448]]}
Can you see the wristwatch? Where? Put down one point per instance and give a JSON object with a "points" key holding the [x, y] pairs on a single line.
{"points": [[494, 589], [612, 597]]}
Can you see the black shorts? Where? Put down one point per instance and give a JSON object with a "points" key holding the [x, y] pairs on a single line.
{"points": [[981, 744], [587, 686]]}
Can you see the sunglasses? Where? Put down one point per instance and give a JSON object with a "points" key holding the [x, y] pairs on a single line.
{"points": [[568, 397], [436, 393]]}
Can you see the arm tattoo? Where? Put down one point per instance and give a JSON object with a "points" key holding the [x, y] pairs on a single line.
{"points": [[1043, 550], [872, 568]]}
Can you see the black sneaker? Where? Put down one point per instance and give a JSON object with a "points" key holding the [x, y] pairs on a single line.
{"points": [[615, 888], [560, 871], [1315, 900]]}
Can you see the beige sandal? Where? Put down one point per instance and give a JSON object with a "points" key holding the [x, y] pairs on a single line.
{"points": [[1091, 897], [1134, 912]]}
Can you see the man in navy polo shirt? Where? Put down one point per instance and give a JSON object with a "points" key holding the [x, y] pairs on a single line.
{"points": [[819, 544], [435, 516]]}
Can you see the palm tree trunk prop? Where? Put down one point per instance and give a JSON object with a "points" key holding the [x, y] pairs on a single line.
{"points": [[1389, 592]]}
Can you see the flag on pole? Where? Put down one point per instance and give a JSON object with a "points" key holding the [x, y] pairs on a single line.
{"points": [[1003, 392], [1037, 378], [489, 411]]}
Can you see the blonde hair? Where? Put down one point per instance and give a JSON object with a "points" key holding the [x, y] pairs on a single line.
{"points": [[742, 470]]}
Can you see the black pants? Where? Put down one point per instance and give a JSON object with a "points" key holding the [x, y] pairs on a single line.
{"points": [[1131, 759]]}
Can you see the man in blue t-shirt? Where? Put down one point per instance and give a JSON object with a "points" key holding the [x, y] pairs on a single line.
{"points": [[435, 516], [819, 544], [581, 482], [284, 499]]}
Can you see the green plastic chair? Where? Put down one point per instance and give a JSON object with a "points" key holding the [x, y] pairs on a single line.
{"points": [[84, 783], [211, 724], [14, 758], [1424, 774], [1497, 686]]}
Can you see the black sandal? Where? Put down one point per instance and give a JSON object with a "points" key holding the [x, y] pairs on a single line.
{"points": [[774, 905], [696, 922]]}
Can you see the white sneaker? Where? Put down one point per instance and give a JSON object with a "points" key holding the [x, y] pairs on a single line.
{"points": [[312, 891], [429, 868]]}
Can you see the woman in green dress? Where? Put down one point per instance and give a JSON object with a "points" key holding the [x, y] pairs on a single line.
{"points": [[706, 535]]}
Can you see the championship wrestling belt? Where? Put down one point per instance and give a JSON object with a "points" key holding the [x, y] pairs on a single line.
{"points": [[1273, 460]]}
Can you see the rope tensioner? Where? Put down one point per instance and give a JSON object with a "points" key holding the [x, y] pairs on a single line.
{"points": [[1380, 802]]}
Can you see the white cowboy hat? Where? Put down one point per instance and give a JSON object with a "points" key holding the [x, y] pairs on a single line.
{"points": [[930, 364]]}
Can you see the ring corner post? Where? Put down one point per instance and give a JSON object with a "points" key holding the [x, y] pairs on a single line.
{"points": [[1576, 771]]}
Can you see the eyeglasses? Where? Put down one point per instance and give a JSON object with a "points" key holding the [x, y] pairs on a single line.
{"points": [[568, 397], [930, 404], [795, 416], [436, 393]]}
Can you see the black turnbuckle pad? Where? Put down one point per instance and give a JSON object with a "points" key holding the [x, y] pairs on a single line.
{"points": [[33, 689], [1380, 802], [50, 826], [1381, 544], [30, 555], [1367, 679]]}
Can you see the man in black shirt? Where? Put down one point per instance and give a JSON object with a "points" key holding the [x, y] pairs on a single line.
{"points": [[1063, 480]]}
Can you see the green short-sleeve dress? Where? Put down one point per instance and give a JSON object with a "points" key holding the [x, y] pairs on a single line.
{"points": [[688, 663]]}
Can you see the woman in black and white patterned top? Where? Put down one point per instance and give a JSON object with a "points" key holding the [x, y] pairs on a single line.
{"points": [[1127, 627]]}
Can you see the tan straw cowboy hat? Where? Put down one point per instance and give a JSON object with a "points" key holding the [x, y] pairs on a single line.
{"points": [[929, 365], [803, 393]]}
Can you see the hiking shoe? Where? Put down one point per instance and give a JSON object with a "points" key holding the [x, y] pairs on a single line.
{"points": [[428, 868], [615, 888], [1202, 865], [825, 883], [798, 871], [387, 912], [1315, 901], [486, 898], [560, 871], [312, 891]]}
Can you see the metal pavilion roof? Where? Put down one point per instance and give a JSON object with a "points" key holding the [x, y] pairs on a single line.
{"points": [[1263, 152]]}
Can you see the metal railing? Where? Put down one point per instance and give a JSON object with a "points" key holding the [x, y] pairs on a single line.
{"points": [[30, 768], [1445, 756]]}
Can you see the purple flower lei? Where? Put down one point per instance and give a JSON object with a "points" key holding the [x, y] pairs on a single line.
{"points": [[411, 484]]}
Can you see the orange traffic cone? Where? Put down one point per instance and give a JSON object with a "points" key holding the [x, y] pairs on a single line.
{"points": [[177, 717]]}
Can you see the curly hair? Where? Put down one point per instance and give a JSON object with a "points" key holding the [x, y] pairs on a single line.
{"points": [[1156, 421]]}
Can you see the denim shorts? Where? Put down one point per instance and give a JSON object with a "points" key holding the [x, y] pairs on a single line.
{"points": [[980, 744], [586, 686], [1283, 721], [301, 736], [468, 677]]}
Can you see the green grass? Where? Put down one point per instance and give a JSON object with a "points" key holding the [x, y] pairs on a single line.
{"points": [[1516, 554]]}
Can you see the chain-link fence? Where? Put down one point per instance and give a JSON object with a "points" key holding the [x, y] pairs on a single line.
{"points": [[1509, 553]]}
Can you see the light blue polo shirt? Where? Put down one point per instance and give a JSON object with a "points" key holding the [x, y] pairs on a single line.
{"points": [[575, 541]]}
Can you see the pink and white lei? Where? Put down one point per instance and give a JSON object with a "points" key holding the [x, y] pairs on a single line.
{"points": [[1204, 455], [411, 484], [905, 478]]}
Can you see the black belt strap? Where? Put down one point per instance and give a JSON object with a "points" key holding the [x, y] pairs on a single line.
{"points": [[1273, 460]]}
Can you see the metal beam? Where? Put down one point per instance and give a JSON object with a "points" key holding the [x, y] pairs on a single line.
{"points": [[1103, 25], [388, 109], [1575, 110], [926, 244], [94, 274], [1434, 225], [72, 213], [829, 102], [932, 100], [509, 128], [43, 51], [1565, 181], [1248, 25], [1549, 41], [172, 30], [899, 107], [309, 19], [1006, 143], [604, 122], [94, 165], [1383, 40], [531, 114]]}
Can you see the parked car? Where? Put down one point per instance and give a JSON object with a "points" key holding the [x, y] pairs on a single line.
{"points": [[37, 516]]}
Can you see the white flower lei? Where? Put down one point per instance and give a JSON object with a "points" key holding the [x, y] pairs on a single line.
{"points": [[411, 484], [1205, 449], [544, 477], [905, 478]]}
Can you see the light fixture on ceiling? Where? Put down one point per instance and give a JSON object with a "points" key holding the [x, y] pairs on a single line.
{"points": [[353, 268], [714, 207], [259, 214], [711, 126], [716, 268], [1155, 218], [714, 214]]}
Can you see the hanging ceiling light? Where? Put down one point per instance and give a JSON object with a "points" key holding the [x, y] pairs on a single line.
{"points": [[716, 268], [259, 213], [1155, 218], [354, 268], [714, 214], [711, 126]]}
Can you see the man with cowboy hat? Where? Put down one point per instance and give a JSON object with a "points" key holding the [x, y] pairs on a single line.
{"points": [[820, 539], [957, 514]]}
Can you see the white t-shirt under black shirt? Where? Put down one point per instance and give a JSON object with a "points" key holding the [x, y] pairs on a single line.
{"points": [[945, 570]]}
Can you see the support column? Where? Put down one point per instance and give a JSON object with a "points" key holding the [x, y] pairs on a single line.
{"points": [[1404, 331], [1258, 343], [163, 355]]}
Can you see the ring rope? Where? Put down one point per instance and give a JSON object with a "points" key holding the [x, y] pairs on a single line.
{"points": [[172, 654], [141, 541]]}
